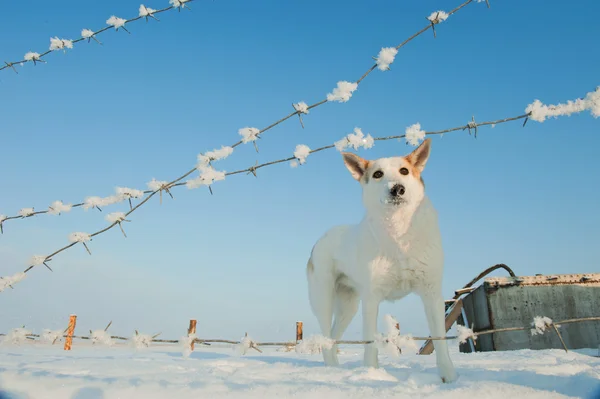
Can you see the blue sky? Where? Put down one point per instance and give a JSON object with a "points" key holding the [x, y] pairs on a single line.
{"points": [[144, 105]]}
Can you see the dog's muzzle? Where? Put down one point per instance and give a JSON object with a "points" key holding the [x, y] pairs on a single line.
{"points": [[397, 190]]}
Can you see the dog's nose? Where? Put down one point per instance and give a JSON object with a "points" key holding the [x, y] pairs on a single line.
{"points": [[397, 190]]}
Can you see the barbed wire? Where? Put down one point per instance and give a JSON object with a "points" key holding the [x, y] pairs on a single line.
{"points": [[299, 109], [122, 217], [86, 34], [540, 326]]}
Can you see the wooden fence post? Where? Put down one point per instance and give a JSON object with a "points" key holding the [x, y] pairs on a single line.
{"points": [[299, 333], [192, 330], [70, 331]]}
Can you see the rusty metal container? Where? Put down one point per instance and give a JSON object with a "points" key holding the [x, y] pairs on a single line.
{"points": [[502, 302]]}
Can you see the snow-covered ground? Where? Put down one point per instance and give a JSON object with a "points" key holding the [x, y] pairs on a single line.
{"points": [[35, 370]]}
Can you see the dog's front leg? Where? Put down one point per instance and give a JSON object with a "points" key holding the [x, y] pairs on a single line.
{"points": [[434, 310], [370, 311]]}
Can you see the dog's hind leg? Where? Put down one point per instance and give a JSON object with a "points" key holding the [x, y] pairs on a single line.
{"points": [[321, 290]]}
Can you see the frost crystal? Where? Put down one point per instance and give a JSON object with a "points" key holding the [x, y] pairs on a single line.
{"points": [[116, 22], [17, 336], [301, 153], [245, 344], [25, 212], [6, 282], [37, 260], [31, 56], [101, 337], [355, 140], [178, 3], [51, 336], [156, 185], [79, 237], [437, 16], [301, 107], [540, 323], [58, 44], [146, 11], [214, 155], [115, 217], [414, 134], [465, 333], [141, 341], [314, 344], [342, 92], [393, 342], [129, 192], [186, 343], [86, 33], [58, 207], [208, 176], [386, 57], [249, 134], [539, 112]]}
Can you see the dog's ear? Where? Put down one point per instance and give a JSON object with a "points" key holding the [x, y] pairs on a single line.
{"points": [[355, 164], [418, 158]]}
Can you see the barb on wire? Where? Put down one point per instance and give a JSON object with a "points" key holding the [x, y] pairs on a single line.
{"points": [[341, 93], [87, 34]]}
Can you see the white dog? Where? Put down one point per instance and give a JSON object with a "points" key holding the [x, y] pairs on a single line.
{"points": [[395, 250]]}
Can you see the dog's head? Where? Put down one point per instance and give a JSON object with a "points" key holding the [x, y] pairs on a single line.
{"points": [[391, 183]]}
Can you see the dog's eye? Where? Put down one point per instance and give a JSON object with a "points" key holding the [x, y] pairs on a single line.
{"points": [[378, 174], [403, 171]]}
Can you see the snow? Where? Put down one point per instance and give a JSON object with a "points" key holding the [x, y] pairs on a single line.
{"points": [[115, 217], [392, 342], [57, 44], [101, 337], [314, 344], [51, 336], [37, 370], [140, 341], [7, 282], [214, 155], [208, 176], [249, 134], [30, 56], [126, 192], [25, 212], [539, 112], [540, 323], [355, 140], [58, 207], [146, 11], [116, 22], [342, 92], [37, 260], [464, 333], [386, 58], [301, 107], [414, 134], [178, 3], [301, 152], [87, 33], [79, 237], [438, 16], [16, 336], [156, 185]]}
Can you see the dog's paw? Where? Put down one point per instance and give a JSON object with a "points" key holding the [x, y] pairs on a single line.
{"points": [[449, 376]]}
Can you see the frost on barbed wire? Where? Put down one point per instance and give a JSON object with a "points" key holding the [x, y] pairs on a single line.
{"points": [[249, 134], [31, 56], [101, 337], [342, 92], [186, 343], [141, 341], [127, 193], [464, 333], [246, 343], [392, 342], [214, 155], [87, 33], [37, 260], [16, 336], [178, 3], [146, 11], [539, 112], [355, 140], [80, 237], [540, 323], [25, 212], [116, 22], [115, 217], [6, 282], [59, 207], [156, 185], [414, 134], [301, 107], [438, 16], [51, 336], [301, 153], [99, 202], [59, 44], [208, 176], [314, 344], [386, 58]]}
